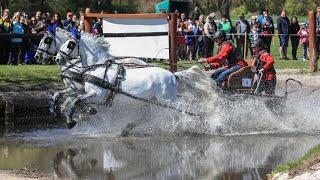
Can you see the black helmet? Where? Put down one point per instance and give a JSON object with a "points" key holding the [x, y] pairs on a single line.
{"points": [[257, 43], [220, 34]]}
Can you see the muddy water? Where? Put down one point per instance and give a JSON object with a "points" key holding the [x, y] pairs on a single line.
{"points": [[209, 157]]}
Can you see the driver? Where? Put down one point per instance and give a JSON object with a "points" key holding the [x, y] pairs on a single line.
{"points": [[226, 57], [263, 65]]}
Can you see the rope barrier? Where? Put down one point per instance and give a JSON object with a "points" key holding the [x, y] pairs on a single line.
{"points": [[242, 34]]}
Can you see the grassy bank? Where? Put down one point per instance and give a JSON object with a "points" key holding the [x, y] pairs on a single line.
{"points": [[294, 164], [29, 74], [42, 74]]}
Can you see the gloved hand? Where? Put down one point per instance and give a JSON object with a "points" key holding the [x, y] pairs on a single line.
{"points": [[214, 66], [202, 60]]}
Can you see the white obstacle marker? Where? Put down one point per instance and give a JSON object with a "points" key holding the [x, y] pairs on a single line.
{"points": [[137, 37]]}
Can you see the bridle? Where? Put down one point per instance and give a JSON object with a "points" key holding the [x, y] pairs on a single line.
{"points": [[65, 55], [46, 50]]}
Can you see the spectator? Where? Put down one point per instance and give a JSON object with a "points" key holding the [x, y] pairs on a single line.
{"points": [[243, 29], [52, 25], [304, 40], [32, 22], [68, 23], [283, 30], [25, 25], [254, 35], [254, 21], [294, 29], [226, 26], [183, 17], [16, 42], [81, 24], [265, 13], [190, 40], [40, 26], [74, 18], [181, 43], [25, 40], [57, 20], [267, 29], [5, 27], [210, 28], [198, 32], [97, 27]]}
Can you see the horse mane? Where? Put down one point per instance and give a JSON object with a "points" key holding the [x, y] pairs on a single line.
{"points": [[63, 31], [95, 41], [96, 47]]}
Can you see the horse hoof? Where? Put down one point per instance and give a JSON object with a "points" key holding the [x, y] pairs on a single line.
{"points": [[92, 111], [53, 108], [70, 125]]}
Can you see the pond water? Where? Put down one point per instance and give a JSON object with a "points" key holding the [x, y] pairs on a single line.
{"points": [[237, 139], [188, 157]]}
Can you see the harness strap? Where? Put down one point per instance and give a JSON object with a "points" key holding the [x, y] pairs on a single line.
{"points": [[77, 77], [99, 82], [72, 65]]}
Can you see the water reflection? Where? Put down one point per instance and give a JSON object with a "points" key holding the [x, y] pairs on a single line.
{"points": [[245, 157]]}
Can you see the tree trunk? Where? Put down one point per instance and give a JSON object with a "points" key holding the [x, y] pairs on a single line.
{"points": [[223, 6]]}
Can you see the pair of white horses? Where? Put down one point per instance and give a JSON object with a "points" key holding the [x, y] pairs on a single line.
{"points": [[89, 57]]}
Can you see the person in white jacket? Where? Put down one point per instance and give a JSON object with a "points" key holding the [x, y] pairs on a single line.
{"points": [[210, 28]]}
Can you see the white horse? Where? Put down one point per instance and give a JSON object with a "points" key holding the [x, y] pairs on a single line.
{"points": [[148, 83], [71, 73]]}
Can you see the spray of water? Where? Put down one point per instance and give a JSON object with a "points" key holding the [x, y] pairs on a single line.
{"points": [[220, 114]]}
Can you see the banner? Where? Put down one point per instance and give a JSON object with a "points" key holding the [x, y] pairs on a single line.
{"points": [[143, 37]]}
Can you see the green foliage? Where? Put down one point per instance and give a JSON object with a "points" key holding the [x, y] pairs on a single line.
{"points": [[299, 7], [29, 74], [239, 10]]}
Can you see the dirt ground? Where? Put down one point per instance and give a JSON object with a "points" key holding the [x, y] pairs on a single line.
{"points": [[22, 175]]}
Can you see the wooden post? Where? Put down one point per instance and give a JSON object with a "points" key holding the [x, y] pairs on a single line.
{"points": [[173, 42], [87, 24], [313, 41]]}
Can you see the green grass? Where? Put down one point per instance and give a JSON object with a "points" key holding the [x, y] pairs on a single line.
{"points": [[42, 74], [293, 164], [28, 74]]}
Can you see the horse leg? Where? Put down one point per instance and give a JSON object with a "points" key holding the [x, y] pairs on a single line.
{"points": [[55, 98], [146, 117], [73, 103]]}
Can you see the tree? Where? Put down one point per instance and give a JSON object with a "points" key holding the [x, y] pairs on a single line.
{"points": [[300, 7], [223, 6]]}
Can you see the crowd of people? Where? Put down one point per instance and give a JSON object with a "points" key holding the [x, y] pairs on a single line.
{"points": [[195, 34], [21, 49]]}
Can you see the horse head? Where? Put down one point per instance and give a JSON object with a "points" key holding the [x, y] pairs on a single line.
{"points": [[68, 51], [50, 44]]}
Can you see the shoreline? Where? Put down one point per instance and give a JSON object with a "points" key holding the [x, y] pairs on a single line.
{"points": [[23, 175]]}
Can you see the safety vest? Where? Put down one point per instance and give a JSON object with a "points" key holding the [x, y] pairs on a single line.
{"points": [[260, 63], [232, 58]]}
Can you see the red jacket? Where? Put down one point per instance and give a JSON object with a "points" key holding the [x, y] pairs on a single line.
{"points": [[217, 60], [267, 64]]}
